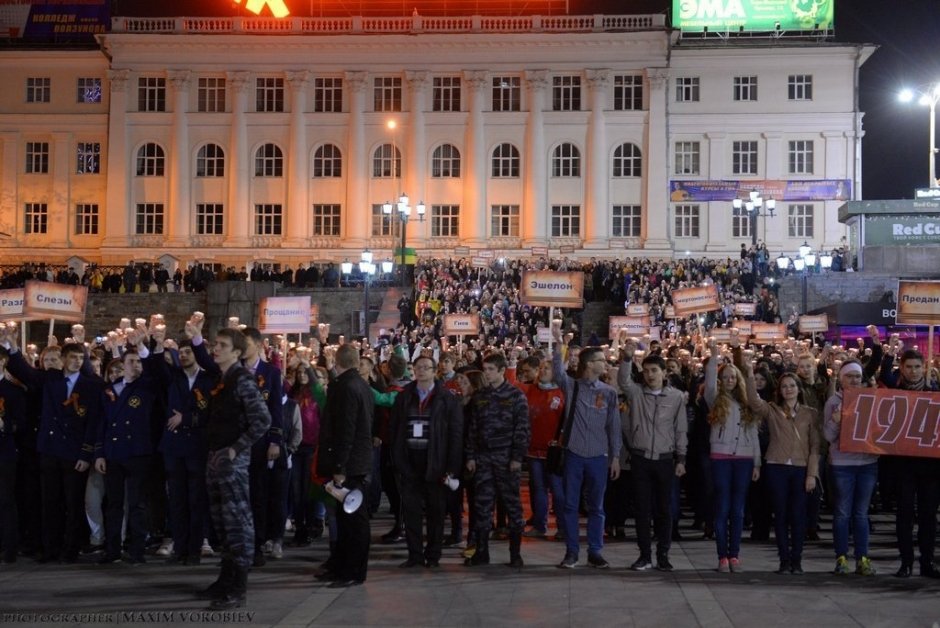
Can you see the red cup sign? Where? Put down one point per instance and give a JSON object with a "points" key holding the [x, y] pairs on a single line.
{"points": [[890, 421], [461, 324]]}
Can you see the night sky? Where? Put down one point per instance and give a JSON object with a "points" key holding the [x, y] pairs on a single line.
{"points": [[895, 147]]}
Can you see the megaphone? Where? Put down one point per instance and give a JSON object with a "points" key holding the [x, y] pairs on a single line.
{"points": [[350, 499]]}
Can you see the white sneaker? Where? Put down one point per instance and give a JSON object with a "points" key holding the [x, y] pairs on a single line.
{"points": [[206, 551], [266, 548], [277, 551], [166, 548]]}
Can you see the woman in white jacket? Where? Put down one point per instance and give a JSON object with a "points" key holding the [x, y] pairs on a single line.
{"points": [[735, 455]]}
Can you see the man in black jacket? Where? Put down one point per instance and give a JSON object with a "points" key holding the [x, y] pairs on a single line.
{"points": [[346, 456], [427, 446]]}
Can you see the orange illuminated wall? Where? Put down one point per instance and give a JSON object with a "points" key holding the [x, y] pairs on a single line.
{"points": [[429, 8]]}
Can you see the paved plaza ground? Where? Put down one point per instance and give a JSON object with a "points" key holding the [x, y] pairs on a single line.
{"points": [[284, 593]]}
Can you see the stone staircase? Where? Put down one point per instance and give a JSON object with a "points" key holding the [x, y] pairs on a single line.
{"points": [[388, 315]]}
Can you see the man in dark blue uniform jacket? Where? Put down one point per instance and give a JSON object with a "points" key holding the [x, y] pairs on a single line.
{"points": [[12, 417], [71, 409]]}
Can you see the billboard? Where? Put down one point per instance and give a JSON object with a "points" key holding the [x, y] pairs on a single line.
{"points": [[77, 21], [752, 15], [780, 190]]}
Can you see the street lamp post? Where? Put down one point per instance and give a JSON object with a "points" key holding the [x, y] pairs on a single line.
{"points": [[404, 213], [367, 269], [803, 263], [753, 206], [928, 98]]}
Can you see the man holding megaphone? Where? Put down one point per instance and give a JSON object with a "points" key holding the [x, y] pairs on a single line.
{"points": [[346, 456], [427, 451]]}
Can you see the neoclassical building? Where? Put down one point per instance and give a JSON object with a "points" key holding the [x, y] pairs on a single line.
{"points": [[255, 140]]}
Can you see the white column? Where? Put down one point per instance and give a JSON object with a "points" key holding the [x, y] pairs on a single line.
{"points": [[179, 222], [656, 202], [61, 152], [297, 227], [357, 215], [117, 210], [715, 221], [596, 210], [239, 163], [534, 208], [774, 168], [9, 143], [415, 158], [474, 173]]}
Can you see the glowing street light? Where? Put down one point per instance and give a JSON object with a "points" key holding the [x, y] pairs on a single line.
{"points": [[927, 98]]}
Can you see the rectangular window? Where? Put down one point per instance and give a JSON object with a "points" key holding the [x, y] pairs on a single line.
{"points": [[744, 157], [445, 221], [687, 89], [210, 219], [327, 95], [745, 88], [687, 221], [86, 219], [688, 158], [800, 157], [268, 219], [37, 217], [566, 93], [211, 95], [800, 87], [89, 157], [37, 157], [627, 221], [507, 93], [151, 93], [800, 221], [740, 223], [446, 93], [38, 89], [88, 90], [269, 94], [149, 219], [504, 221], [628, 92], [385, 224], [386, 93], [326, 220], [566, 221]]}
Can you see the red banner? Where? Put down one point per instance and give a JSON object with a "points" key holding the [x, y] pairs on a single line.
{"points": [[888, 421]]}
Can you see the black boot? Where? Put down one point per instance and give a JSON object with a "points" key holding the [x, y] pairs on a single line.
{"points": [[235, 596], [482, 555], [515, 544], [218, 588]]}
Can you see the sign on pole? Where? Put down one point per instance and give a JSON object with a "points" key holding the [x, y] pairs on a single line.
{"points": [[11, 304], [552, 289], [695, 300], [768, 333], [284, 315], [890, 421], [42, 299], [461, 324], [814, 324], [635, 326], [918, 303]]}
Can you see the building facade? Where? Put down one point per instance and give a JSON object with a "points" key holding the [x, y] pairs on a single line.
{"points": [[262, 141]]}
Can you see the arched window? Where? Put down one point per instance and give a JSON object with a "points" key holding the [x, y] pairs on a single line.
{"points": [[505, 161], [269, 161], [566, 161], [627, 161], [327, 161], [150, 160], [445, 162], [210, 161], [382, 162]]}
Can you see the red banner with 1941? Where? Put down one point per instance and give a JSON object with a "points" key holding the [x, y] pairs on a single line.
{"points": [[892, 422]]}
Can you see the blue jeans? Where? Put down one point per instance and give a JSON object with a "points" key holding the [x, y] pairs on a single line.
{"points": [[592, 474], [541, 482], [853, 486], [787, 486], [731, 478]]}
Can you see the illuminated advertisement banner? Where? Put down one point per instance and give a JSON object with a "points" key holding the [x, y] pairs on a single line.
{"points": [[552, 289], [694, 300], [79, 21], [752, 15], [705, 191], [890, 421], [902, 230]]}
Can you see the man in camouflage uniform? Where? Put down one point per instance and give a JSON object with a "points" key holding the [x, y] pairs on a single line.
{"points": [[497, 443], [238, 417]]}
